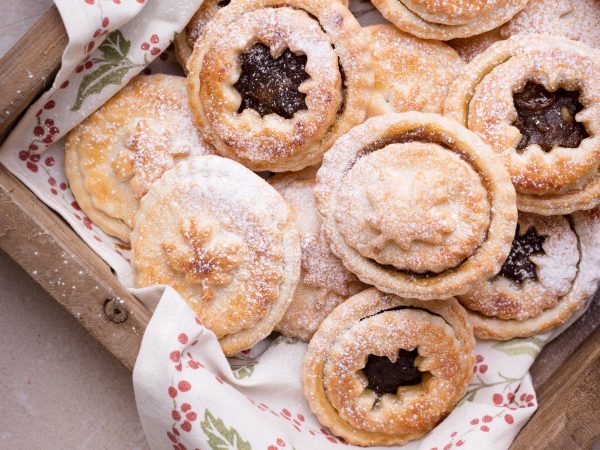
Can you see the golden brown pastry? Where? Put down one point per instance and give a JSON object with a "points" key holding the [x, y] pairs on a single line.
{"points": [[416, 205], [115, 154], [434, 19], [573, 19], [411, 74], [324, 281], [224, 239], [552, 272], [536, 101], [272, 84], [383, 370]]}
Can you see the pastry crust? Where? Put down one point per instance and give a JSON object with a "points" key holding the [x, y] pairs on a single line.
{"points": [[337, 91], [432, 19], [586, 226], [573, 19], [236, 260], [416, 205], [374, 323], [324, 281], [115, 154], [411, 74], [557, 182]]}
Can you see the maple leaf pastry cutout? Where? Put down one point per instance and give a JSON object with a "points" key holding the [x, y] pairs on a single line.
{"points": [[405, 215], [148, 155], [202, 264]]}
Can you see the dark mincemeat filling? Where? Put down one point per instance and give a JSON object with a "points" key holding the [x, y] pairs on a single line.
{"points": [[270, 86], [385, 377], [223, 3], [548, 118], [518, 266]]}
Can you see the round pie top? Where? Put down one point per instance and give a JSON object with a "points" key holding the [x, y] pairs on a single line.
{"points": [[434, 19], [411, 74], [114, 156], [552, 273], [273, 86], [573, 19], [324, 281], [384, 370], [536, 101], [202, 230], [416, 205]]}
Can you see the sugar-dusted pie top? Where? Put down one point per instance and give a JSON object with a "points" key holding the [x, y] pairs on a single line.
{"points": [[224, 239], [114, 156], [455, 12], [415, 206]]}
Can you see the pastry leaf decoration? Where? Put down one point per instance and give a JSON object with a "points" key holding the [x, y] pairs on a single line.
{"points": [[521, 346], [220, 437], [202, 264], [429, 222], [113, 66], [149, 154]]}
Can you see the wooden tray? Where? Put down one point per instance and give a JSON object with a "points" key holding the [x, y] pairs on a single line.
{"points": [[566, 374]]}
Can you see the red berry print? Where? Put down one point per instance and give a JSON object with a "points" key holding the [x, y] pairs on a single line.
{"points": [[87, 223], [89, 47], [79, 68], [155, 51], [54, 191], [509, 419], [179, 367], [487, 419], [64, 85], [175, 415], [88, 65], [484, 428], [51, 104], [194, 364], [145, 46], [272, 447], [75, 206], [48, 139], [54, 131], [141, 1], [186, 426], [35, 158], [98, 32], [184, 386], [460, 443], [474, 421], [483, 368], [454, 433], [447, 446], [89, 2], [49, 161], [38, 131], [172, 392], [280, 442], [32, 166], [171, 437], [154, 39], [175, 356], [48, 122], [186, 407], [51, 181], [191, 416], [497, 399], [23, 155], [183, 338], [105, 22], [33, 147], [478, 359]]}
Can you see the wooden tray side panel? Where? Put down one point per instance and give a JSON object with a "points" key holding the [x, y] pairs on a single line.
{"points": [[50, 251]]}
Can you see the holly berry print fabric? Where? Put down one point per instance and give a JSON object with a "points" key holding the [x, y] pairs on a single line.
{"points": [[189, 396]]}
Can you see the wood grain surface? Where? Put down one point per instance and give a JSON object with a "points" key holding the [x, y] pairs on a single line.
{"points": [[566, 374]]}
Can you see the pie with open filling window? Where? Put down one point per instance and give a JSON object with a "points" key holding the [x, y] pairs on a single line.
{"points": [[384, 370], [536, 101], [225, 241], [551, 272], [416, 205], [273, 84]]}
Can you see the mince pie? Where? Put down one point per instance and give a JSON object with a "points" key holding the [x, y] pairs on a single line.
{"points": [[324, 281], [429, 19], [384, 370], [224, 239], [536, 101], [416, 205], [114, 156], [273, 83], [552, 272], [411, 74]]}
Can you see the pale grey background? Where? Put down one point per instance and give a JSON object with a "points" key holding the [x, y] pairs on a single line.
{"points": [[59, 388]]}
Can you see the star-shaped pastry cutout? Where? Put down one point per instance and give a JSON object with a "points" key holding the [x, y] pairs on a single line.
{"points": [[148, 155], [203, 265], [405, 214]]}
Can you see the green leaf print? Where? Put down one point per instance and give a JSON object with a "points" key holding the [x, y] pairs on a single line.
{"points": [[220, 437], [244, 371], [114, 66], [521, 346]]}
